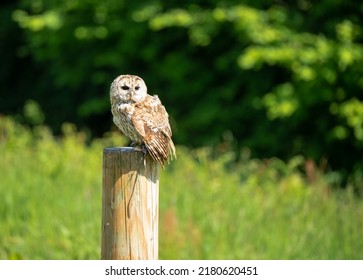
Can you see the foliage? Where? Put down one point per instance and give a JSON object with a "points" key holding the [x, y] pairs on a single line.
{"points": [[265, 73], [49, 192], [209, 208]]}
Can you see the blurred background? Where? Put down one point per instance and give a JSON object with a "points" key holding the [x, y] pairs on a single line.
{"points": [[266, 105]]}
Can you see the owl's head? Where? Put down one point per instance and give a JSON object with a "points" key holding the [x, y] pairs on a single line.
{"points": [[127, 89]]}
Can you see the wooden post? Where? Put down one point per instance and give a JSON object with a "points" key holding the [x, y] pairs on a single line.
{"points": [[130, 205]]}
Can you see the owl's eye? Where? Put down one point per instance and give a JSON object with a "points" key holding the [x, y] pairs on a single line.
{"points": [[137, 88], [125, 87]]}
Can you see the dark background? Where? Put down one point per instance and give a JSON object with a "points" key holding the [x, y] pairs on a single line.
{"points": [[279, 78]]}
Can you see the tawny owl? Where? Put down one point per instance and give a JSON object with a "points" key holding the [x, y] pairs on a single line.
{"points": [[142, 117]]}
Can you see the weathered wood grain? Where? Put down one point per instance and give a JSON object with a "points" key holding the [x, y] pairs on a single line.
{"points": [[130, 203]]}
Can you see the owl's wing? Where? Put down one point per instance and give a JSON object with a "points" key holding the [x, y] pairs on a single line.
{"points": [[151, 121]]}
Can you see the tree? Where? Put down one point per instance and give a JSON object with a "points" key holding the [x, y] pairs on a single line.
{"points": [[282, 79]]}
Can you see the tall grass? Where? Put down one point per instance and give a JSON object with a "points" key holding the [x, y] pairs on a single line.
{"points": [[50, 203]]}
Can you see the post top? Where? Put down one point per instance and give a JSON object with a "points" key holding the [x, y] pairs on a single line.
{"points": [[121, 149]]}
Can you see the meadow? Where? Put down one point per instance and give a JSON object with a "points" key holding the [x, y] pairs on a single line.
{"points": [[210, 206]]}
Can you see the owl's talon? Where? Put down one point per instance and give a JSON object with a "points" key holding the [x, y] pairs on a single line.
{"points": [[141, 148]]}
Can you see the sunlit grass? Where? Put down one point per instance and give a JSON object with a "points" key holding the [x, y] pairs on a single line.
{"points": [[50, 208]]}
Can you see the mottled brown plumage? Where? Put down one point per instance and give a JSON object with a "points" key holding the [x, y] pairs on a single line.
{"points": [[142, 117]]}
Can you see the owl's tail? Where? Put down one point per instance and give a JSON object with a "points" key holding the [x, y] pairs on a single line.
{"points": [[161, 148], [171, 151]]}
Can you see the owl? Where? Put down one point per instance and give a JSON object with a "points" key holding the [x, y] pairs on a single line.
{"points": [[142, 117]]}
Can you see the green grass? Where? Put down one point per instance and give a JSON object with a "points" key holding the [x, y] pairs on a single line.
{"points": [[50, 205]]}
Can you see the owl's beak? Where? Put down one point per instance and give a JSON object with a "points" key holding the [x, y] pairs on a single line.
{"points": [[130, 95]]}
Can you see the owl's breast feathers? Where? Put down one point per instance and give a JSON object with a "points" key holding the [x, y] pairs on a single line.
{"points": [[151, 121], [122, 114]]}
